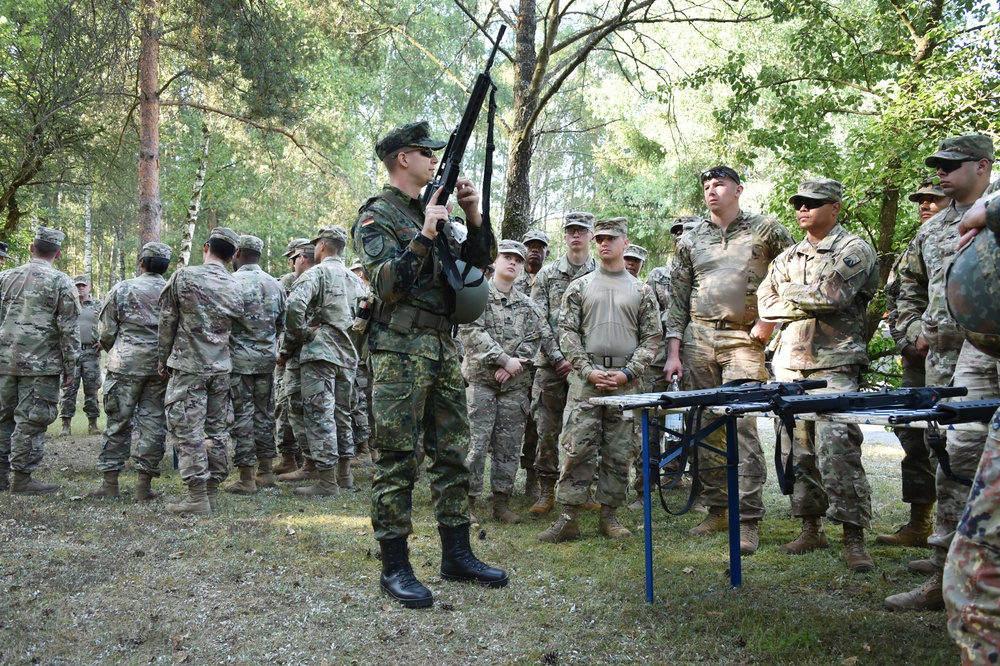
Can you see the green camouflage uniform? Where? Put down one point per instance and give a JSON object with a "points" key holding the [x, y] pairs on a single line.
{"points": [[820, 294], [509, 328], [653, 380], [549, 392], [88, 368], [133, 390], [713, 306], [417, 380], [41, 341], [529, 443], [252, 348], [609, 321], [198, 308], [285, 435], [360, 411]]}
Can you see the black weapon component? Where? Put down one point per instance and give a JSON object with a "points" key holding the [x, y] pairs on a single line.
{"points": [[735, 392], [945, 413]]}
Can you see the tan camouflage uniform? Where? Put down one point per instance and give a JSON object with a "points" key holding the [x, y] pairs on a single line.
{"points": [[284, 434], [88, 369], [361, 397]]}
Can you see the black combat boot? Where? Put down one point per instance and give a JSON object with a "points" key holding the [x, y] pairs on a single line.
{"points": [[460, 564], [398, 580]]}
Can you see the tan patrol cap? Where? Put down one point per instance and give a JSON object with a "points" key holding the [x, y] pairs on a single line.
{"points": [[252, 243], [226, 234], [293, 244], [579, 219], [83, 279], [49, 235], [159, 250], [615, 226], [637, 252], [507, 246]]}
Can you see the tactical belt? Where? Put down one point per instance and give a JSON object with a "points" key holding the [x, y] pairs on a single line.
{"points": [[723, 325], [383, 312], [609, 361]]}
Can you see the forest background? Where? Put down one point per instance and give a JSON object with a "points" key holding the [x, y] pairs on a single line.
{"points": [[125, 121]]}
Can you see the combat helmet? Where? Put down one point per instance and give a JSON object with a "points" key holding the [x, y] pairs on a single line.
{"points": [[470, 299], [972, 287]]}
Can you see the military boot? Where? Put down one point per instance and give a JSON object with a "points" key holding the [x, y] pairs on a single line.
{"points": [[265, 475], [915, 532], [286, 465], [109, 486], [23, 484], [716, 521], [809, 539], [66, 429], [472, 508], [362, 455], [855, 551], [925, 567], [609, 525], [344, 477], [143, 488], [196, 503], [325, 486], [307, 472], [247, 485], [398, 580], [92, 428], [212, 491], [591, 504], [928, 596], [566, 527], [458, 563], [501, 509], [531, 490], [638, 504], [749, 537], [546, 497]]}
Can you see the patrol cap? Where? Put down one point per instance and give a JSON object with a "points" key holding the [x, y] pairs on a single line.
{"points": [[356, 264], [963, 148], [226, 234], [720, 171], [615, 226], [579, 219], [82, 279], [48, 235], [158, 250], [535, 235], [303, 248], [683, 223], [294, 243], [820, 189], [512, 247], [927, 189], [331, 233], [252, 243], [413, 134], [637, 252], [4, 248]]}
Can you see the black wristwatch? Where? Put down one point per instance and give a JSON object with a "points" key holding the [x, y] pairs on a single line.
{"points": [[628, 374]]}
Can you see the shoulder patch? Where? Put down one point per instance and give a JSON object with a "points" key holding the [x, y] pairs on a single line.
{"points": [[367, 221], [852, 260], [373, 244]]}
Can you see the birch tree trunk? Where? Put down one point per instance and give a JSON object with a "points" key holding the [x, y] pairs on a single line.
{"points": [[88, 233], [195, 206], [150, 208]]}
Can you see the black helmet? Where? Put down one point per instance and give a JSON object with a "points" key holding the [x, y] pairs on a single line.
{"points": [[972, 287]]}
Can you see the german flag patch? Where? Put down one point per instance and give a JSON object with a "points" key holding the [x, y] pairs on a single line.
{"points": [[367, 221]]}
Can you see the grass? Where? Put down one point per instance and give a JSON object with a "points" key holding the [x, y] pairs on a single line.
{"points": [[278, 579]]}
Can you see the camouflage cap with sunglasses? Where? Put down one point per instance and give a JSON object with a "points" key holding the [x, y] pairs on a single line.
{"points": [[819, 189], [721, 171], [968, 148], [413, 134]]}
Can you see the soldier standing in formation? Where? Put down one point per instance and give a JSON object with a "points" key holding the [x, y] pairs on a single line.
{"points": [[635, 259], [361, 412], [288, 447], [89, 366], [39, 324]]}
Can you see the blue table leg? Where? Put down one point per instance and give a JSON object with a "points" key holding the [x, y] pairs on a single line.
{"points": [[733, 485], [647, 507]]}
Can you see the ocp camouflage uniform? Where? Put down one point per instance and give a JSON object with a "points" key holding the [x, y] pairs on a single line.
{"points": [[252, 349], [41, 341], [88, 368], [285, 435], [416, 374], [198, 308], [653, 380], [529, 443], [820, 294], [609, 321], [361, 399], [713, 306], [133, 389], [509, 328]]}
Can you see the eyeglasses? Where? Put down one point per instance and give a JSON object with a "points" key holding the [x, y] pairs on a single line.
{"points": [[810, 204], [426, 152], [952, 165], [576, 231]]}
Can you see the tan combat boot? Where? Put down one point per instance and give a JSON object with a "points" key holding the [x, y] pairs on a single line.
{"points": [[925, 567], [546, 497], [212, 491], [609, 525], [286, 465], [749, 537], [92, 428], [143, 488], [247, 485], [265, 475], [915, 532], [638, 504], [565, 528], [325, 486], [809, 539], [717, 520], [531, 490], [307, 472], [591, 504], [928, 596], [344, 477], [362, 455], [196, 503], [501, 509], [23, 484], [855, 551], [109, 486], [66, 429]]}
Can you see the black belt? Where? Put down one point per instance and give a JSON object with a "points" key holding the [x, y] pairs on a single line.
{"points": [[609, 361]]}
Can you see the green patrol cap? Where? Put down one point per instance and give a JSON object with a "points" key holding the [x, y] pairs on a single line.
{"points": [[156, 250], [684, 223], [968, 147], [82, 279], [252, 243], [822, 189], [331, 233], [226, 234], [637, 252], [294, 243], [48, 235], [535, 235], [512, 247], [414, 134], [927, 189], [615, 226], [579, 219]]}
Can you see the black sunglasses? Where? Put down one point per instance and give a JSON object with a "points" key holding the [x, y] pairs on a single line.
{"points": [[719, 173], [951, 165], [426, 152], [810, 204]]}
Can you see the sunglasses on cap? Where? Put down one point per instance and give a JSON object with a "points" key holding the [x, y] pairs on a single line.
{"points": [[426, 152], [720, 172], [810, 204], [952, 165]]}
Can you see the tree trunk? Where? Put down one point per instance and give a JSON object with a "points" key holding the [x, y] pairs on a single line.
{"points": [[884, 243], [120, 245], [517, 205], [150, 208], [88, 233], [196, 190]]}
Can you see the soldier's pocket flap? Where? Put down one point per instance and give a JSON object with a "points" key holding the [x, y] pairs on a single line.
{"points": [[314, 386], [176, 392]]}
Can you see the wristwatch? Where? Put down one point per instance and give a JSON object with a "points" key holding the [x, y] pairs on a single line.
{"points": [[628, 374]]}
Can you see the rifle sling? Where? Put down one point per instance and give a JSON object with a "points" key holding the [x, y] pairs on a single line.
{"points": [[937, 445]]}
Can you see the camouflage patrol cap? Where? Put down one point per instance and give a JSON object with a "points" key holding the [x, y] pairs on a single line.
{"points": [[304, 248], [512, 247], [683, 223], [535, 235], [83, 279], [927, 189], [579, 219], [356, 264], [293, 244], [615, 226], [226, 234], [4, 248], [48, 235], [252, 243], [637, 252], [331, 233], [821, 189], [970, 146], [156, 250], [414, 134]]}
